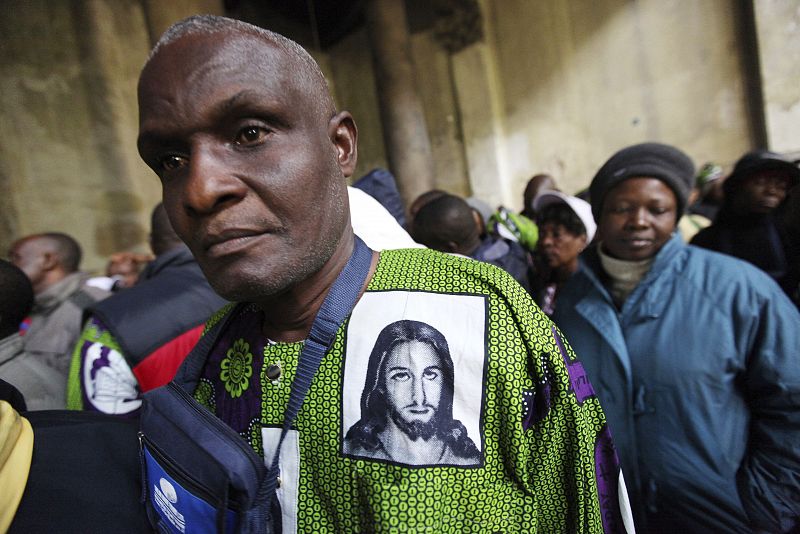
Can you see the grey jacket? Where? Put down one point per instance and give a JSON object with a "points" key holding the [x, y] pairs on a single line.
{"points": [[41, 385], [57, 320]]}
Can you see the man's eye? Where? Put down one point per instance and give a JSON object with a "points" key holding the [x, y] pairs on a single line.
{"points": [[431, 374], [251, 135], [171, 163], [399, 376]]}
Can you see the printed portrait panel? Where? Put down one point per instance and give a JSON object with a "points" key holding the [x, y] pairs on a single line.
{"points": [[413, 379]]}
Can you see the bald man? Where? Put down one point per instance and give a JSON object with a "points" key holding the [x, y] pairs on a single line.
{"points": [[51, 261], [448, 224], [253, 158]]}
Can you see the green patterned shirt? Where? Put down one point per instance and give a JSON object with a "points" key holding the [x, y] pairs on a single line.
{"points": [[447, 403]]}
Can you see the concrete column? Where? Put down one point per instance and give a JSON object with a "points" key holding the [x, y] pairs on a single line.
{"points": [[778, 35], [408, 146]]}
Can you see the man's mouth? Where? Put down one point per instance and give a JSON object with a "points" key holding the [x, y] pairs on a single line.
{"points": [[231, 241]]}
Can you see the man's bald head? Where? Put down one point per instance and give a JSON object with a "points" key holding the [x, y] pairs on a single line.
{"points": [[537, 184], [46, 258], [306, 70], [238, 124], [447, 224]]}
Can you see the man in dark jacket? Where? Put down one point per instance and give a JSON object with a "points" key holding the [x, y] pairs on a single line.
{"points": [[447, 224], [136, 340]]}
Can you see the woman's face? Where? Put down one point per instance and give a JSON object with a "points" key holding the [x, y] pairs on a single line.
{"points": [[637, 218], [763, 191], [560, 247]]}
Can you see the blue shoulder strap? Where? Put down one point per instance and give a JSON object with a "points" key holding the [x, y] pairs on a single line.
{"points": [[335, 308]]}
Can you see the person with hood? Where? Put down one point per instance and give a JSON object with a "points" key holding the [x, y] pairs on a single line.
{"points": [[747, 225], [693, 355]]}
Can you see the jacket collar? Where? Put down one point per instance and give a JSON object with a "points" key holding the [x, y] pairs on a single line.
{"points": [[57, 293], [642, 301], [174, 257]]}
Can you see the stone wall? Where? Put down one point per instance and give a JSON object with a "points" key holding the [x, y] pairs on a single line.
{"points": [[551, 86]]}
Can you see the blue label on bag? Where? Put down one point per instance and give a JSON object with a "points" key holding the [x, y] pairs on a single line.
{"points": [[181, 510]]}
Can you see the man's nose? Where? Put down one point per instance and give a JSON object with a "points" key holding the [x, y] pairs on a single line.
{"points": [[211, 183], [418, 392]]}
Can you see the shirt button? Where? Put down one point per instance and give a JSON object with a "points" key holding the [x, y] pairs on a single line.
{"points": [[273, 372]]}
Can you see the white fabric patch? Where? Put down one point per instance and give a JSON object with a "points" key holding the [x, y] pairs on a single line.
{"points": [[108, 381], [289, 472], [625, 506]]}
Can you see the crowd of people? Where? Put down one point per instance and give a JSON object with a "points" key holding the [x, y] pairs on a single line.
{"points": [[623, 359]]}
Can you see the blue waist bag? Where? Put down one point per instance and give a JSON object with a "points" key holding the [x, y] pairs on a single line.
{"points": [[200, 476]]}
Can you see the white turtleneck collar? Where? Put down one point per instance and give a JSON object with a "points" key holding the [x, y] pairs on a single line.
{"points": [[624, 275]]}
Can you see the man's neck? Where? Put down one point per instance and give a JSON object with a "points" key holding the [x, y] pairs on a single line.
{"points": [[288, 316]]}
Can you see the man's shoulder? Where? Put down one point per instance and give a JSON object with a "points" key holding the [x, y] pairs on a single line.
{"points": [[714, 265], [86, 295], [426, 269]]}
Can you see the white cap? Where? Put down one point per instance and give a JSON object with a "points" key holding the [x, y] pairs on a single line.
{"points": [[581, 208]]}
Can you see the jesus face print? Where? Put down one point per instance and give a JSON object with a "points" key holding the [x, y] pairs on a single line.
{"points": [[409, 387]]}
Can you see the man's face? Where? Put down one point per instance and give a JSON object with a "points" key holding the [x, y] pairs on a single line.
{"points": [[30, 256], [637, 218], [413, 378], [763, 191], [252, 166]]}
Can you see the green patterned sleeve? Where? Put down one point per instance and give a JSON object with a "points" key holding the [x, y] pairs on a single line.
{"points": [[572, 466], [94, 335]]}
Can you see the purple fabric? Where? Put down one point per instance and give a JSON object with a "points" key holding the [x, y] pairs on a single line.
{"points": [[577, 375], [607, 469], [238, 412]]}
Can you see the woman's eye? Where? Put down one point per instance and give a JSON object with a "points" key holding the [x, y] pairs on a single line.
{"points": [[251, 135], [171, 163]]}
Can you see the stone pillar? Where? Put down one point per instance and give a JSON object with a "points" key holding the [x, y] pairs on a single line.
{"points": [[408, 146], [778, 36]]}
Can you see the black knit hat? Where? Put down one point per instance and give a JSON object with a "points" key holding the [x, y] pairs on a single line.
{"points": [[760, 160], [646, 160]]}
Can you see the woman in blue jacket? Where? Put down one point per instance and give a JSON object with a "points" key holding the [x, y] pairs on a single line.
{"points": [[695, 357]]}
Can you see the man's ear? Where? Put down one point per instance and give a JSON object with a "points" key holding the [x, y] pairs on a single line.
{"points": [[344, 136], [452, 246], [50, 261]]}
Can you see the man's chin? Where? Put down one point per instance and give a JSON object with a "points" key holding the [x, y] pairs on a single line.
{"points": [[416, 429], [241, 287]]}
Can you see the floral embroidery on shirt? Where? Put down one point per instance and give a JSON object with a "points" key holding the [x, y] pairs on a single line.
{"points": [[237, 368], [204, 394]]}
